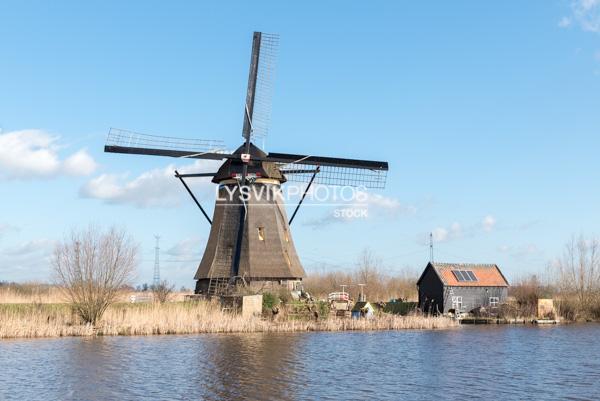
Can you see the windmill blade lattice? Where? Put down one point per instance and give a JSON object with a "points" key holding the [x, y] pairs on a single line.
{"points": [[335, 175], [267, 60], [130, 139]]}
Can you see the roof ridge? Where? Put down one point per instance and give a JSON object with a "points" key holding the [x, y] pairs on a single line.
{"points": [[445, 264], [487, 274]]}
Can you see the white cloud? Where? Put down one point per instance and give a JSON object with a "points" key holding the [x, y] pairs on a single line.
{"points": [[6, 228], [105, 186], [363, 205], [335, 216], [79, 163], [380, 204], [504, 248], [39, 245], [383, 202], [457, 231], [521, 252], [564, 22], [526, 250], [444, 234], [488, 223], [154, 188], [439, 234], [587, 14], [30, 154], [29, 261], [187, 249]]}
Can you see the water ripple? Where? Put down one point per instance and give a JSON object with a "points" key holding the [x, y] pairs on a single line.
{"points": [[521, 363]]}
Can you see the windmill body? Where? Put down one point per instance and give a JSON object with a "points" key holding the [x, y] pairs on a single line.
{"points": [[250, 242], [267, 255]]}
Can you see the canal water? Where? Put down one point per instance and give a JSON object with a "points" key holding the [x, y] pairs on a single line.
{"points": [[475, 362]]}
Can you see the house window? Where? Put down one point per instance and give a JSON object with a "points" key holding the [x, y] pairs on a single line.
{"points": [[286, 235], [287, 258], [494, 302], [261, 233], [457, 303]]}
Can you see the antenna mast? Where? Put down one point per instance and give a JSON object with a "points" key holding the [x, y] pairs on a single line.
{"points": [[431, 247], [361, 295], [343, 288], [156, 280]]}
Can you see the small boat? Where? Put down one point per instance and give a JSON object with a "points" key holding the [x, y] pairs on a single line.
{"points": [[545, 321]]}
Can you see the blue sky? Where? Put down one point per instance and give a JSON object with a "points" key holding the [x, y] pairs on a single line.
{"points": [[488, 114]]}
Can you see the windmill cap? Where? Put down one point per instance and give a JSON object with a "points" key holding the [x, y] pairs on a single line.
{"points": [[233, 167]]}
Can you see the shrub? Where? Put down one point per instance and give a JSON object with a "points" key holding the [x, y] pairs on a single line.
{"points": [[162, 291], [269, 301], [91, 267], [400, 308]]}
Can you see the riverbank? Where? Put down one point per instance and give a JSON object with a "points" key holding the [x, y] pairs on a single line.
{"points": [[57, 320]]}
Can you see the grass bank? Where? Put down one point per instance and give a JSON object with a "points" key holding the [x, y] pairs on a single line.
{"points": [[57, 320]]}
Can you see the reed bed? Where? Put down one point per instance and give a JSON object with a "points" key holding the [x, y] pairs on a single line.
{"points": [[48, 294], [30, 294], [182, 318]]}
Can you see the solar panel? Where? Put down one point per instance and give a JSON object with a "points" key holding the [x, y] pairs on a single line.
{"points": [[471, 275], [464, 275], [459, 275]]}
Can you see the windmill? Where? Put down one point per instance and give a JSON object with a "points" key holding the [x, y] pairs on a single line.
{"points": [[250, 241]]}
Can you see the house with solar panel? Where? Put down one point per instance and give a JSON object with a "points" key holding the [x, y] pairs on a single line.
{"points": [[461, 288]]}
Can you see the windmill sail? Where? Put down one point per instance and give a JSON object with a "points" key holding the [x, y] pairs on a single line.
{"points": [[332, 175], [123, 141], [257, 110], [332, 170]]}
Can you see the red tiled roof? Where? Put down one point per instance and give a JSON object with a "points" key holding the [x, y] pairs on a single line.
{"points": [[487, 275]]}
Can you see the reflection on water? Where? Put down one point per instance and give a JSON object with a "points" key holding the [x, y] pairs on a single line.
{"points": [[252, 366], [466, 363]]}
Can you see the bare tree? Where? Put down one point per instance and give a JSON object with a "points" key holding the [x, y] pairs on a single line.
{"points": [[579, 271], [368, 272], [526, 292], [91, 266], [162, 291], [368, 266], [380, 286]]}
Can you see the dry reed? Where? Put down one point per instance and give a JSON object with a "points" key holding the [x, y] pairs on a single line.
{"points": [[47, 294], [30, 294], [182, 318], [379, 286]]}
